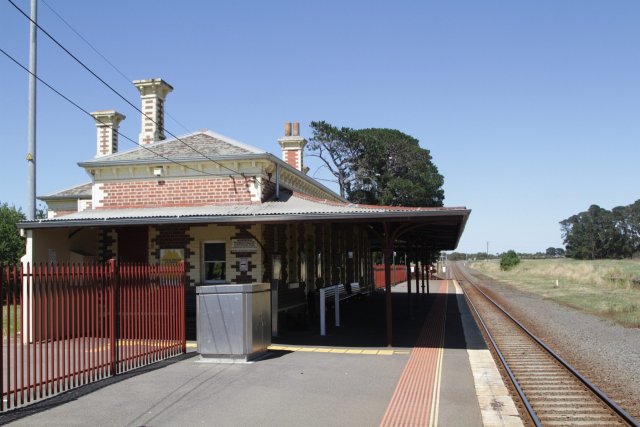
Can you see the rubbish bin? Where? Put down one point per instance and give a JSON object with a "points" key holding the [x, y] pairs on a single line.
{"points": [[233, 321]]}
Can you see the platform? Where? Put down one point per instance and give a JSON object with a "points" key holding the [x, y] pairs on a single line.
{"points": [[438, 372]]}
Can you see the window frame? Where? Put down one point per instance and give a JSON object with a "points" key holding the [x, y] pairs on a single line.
{"points": [[204, 263]]}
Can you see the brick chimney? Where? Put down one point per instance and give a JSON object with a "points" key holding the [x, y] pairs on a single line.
{"points": [[153, 93], [107, 123], [293, 146]]}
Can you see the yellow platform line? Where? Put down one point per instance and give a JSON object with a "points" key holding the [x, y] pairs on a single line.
{"points": [[338, 350]]}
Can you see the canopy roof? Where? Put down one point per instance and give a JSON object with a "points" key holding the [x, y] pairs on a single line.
{"points": [[437, 228]]}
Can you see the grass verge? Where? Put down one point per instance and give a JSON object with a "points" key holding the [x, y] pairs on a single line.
{"points": [[602, 287]]}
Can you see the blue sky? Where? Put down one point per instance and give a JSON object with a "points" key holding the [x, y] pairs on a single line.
{"points": [[531, 110]]}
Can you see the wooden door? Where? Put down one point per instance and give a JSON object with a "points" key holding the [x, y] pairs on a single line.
{"points": [[133, 244]]}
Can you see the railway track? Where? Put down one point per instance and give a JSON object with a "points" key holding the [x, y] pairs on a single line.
{"points": [[553, 393]]}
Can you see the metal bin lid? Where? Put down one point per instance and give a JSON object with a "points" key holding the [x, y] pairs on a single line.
{"points": [[233, 288]]}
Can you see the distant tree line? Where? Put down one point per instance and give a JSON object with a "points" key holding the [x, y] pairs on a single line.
{"points": [[555, 252], [549, 253], [599, 233]]}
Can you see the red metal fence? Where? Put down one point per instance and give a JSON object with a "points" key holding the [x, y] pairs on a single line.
{"points": [[68, 325], [398, 275]]}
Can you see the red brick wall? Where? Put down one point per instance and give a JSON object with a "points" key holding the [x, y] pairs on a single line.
{"points": [[293, 158], [182, 192]]}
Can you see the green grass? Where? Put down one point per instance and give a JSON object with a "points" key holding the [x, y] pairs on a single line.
{"points": [[5, 320], [601, 287]]}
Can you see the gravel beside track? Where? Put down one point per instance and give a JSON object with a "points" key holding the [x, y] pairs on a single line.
{"points": [[607, 354]]}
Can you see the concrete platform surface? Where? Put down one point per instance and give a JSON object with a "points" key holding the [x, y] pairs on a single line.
{"points": [[348, 378]]}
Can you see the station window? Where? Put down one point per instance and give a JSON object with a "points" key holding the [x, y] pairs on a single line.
{"points": [[214, 262]]}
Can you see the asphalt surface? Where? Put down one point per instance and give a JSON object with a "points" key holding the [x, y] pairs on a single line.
{"points": [[287, 388]]}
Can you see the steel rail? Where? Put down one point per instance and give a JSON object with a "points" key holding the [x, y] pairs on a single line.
{"points": [[592, 387], [512, 377]]}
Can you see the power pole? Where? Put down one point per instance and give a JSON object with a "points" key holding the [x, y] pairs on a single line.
{"points": [[31, 152]]}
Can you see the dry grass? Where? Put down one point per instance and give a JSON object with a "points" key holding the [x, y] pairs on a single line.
{"points": [[602, 287], [15, 312]]}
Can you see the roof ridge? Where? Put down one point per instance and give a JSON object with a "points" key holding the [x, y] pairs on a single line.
{"points": [[380, 207]]}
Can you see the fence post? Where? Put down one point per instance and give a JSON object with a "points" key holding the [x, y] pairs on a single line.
{"points": [[113, 297], [182, 312]]}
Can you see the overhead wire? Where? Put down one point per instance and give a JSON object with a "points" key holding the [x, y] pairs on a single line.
{"points": [[63, 96], [83, 65], [118, 70]]}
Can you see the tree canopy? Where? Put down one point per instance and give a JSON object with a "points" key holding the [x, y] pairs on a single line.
{"points": [[11, 244], [598, 233], [378, 166], [508, 260]]}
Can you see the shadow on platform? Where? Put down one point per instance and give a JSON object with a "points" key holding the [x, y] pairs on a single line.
{"points": [[363, 323]]}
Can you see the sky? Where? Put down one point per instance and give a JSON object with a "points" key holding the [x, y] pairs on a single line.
{"points": [[531, 110]]}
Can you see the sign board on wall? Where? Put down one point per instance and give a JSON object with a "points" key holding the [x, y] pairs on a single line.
{"points": [[171, 256], [244, 245]]}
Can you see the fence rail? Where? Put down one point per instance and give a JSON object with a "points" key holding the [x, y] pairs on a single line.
{"points": [[398, 275], [66, 325]]}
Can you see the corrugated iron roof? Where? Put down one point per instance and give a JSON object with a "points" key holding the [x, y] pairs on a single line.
{"points": [[290, 206]]}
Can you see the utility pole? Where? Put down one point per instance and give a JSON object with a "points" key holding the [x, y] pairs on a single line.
{"points": [[487, 251], [31, 152]]}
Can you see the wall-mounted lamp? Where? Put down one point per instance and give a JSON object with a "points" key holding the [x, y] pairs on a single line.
{"points": [[158, 171], [270, 169], [350, 254]]}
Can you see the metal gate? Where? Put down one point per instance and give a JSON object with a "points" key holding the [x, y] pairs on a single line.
{"points": [[66, 325]]}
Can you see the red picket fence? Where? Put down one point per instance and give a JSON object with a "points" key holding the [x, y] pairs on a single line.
{"points": [[398, 275], [68, 325]]}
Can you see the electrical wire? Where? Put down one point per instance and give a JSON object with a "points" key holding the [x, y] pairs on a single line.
{"points": [[89, 114], [128, 79], [83, 65]]}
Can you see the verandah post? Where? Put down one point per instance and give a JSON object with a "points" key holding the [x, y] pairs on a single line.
{"points": [[408, 265], [388, 250]]}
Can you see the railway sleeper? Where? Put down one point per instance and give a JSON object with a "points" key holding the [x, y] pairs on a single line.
{"points": [[550, 371], [538, 375], [573, 405], [544, 397], [572, 412], [571, 419], [533, 388], [593, 423]]}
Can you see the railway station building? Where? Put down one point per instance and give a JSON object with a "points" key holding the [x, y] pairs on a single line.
{"points": [[231, 212]]}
